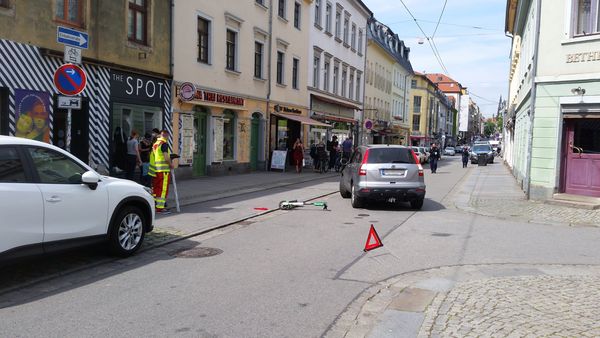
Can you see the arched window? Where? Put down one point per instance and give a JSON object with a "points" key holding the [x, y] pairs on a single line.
{"points": [[228, 135]]}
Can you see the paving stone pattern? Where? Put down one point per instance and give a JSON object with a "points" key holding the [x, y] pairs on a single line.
{"points": [[519, 306]]}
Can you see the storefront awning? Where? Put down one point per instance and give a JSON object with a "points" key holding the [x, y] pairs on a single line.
{"points": [[333, 118], [336, 102], [302, 119]]}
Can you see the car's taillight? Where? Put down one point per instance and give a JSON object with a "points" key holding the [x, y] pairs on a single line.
{"points": [[363, 170], [415, 156], [421, 173]]}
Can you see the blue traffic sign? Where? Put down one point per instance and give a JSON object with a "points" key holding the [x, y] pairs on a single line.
{"points": [[70, 79], [72, 37]]}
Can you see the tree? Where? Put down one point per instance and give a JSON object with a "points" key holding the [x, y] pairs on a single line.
{"points": [[489, 128]]}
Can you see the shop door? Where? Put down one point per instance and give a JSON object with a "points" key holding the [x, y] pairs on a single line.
{"points": [[254, 139], [200, 126], [79, 131], [582, 157]]}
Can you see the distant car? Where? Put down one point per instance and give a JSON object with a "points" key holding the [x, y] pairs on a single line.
{"points": [[50, 200], [458, 150], [383, 173], [449, 151], [426, 152], [482, 148], [423, 157]]}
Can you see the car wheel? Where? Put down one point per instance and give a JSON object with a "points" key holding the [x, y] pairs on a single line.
{"points": [[345, 193], [356, 201], [417, 204], [127, 231]]}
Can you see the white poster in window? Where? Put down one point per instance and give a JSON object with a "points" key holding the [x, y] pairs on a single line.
{"points": [[187, 141], [218, 140]]}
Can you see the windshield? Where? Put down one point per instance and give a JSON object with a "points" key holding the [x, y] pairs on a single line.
{"points": [[390, 155], [480, 148]]}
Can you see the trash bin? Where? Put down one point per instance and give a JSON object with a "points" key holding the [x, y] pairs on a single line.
{"points": [[481, 159]]}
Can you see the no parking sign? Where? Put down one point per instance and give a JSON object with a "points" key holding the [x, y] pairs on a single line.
{"points": [[70, 79]]}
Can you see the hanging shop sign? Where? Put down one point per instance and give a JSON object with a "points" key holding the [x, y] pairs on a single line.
{"points": [[284, 109], [187, 91]]}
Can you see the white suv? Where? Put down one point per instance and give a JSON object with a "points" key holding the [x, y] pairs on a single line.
{"points": [[50, 200]]}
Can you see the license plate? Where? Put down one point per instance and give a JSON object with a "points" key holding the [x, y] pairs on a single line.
{"points": [[393, 172]]}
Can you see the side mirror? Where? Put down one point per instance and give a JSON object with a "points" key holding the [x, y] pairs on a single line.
{"points": [[90, 179]]}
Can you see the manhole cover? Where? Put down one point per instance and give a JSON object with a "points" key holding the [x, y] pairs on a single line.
{"points": [[440, 234], [197, 252]]}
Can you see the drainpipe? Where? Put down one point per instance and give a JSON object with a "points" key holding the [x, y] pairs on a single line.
{"points": [[533, 94], [171, 13], [269, 84], [364, 87]]}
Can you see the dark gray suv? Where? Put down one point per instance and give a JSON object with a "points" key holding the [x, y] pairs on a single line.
{"points": [[384, 173]]}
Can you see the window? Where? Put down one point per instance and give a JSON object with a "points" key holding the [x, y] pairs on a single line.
{"points": [[228, 135], [326, 76], [346, 28], [358, 79], [316, 66], [351, 89], [5, 3], [138, 18], [11, 168], [336, 70], [260, 2], [417, 104], [258, 60], [353, 37], [587, 17], [344, 74], [231, 49], [68, 11], [55, 168], [328, 18], [317, 12], [281, 9], [280, 60], [297, 10], [203, 40], [338, 19], [360, 42], [295, 68], [416, 125], [413, 83]]}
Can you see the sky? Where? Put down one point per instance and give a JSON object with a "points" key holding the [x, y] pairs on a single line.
{"points": [[470, 39]]}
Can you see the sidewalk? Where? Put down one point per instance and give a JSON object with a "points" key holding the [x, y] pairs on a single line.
{"points": [[485, 300]]}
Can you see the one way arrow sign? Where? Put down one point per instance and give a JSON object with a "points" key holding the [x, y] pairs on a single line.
{"points": [[72, 37]]}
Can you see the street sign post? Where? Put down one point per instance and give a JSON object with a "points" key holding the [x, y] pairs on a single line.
{"points": [[70, 79], [72, 55], [69, 102], [72, 37]]}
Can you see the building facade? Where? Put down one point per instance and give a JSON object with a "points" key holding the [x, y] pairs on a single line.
{"points": [[427, 106], [337, 52], [454, 91], [127, 66], [386, 90], [553, 120]]}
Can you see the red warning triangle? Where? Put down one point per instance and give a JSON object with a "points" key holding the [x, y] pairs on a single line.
{"points": [[373, 241]]}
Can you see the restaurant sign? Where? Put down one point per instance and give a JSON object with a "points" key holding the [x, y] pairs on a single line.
{"points": [[208, 96]]}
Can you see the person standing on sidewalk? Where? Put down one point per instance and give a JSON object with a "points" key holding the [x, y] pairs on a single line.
{"points": [[133, 155], [298, 154], [160, 170], [145, 149], [347, 148], [332, 149], [434, 156], [465, 156]]}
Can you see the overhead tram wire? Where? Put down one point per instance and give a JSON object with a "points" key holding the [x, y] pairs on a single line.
{"points": [[439, 19], [428, 39], [450, 24]]}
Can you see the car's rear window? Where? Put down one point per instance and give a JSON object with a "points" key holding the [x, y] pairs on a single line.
{"points": [[390, 155], [481, 147]]}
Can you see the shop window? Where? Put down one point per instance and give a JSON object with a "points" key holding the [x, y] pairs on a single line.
{"points": [[228, 135], [129, 118], [67, 11], [138, 21]]}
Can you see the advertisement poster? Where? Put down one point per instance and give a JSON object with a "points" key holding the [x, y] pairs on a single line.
{"points": [[32, 114], [463, 117], [187, 140]]}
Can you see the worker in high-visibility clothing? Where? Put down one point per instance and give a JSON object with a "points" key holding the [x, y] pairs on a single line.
{"points": [[160, 170]]}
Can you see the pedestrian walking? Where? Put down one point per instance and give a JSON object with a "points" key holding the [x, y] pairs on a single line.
{"points": [[160, 170], [332, 149], [298, 154], [434, 156], [133, 156], [347, 148], [465, 156]]}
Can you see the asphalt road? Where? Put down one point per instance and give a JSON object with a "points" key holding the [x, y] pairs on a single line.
{"points": [[285, 274]]}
